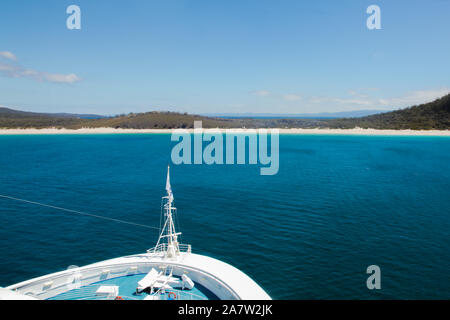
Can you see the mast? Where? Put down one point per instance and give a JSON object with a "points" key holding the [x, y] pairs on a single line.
{"points": [[168, 232]]}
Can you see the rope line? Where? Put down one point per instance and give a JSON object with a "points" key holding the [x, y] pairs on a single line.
{"points": [[78, 212]]}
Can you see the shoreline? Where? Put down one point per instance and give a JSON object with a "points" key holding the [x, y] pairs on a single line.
{"points": [[355, 131]]}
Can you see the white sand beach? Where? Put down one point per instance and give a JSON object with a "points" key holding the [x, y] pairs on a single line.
{"points": [[355, 131]]}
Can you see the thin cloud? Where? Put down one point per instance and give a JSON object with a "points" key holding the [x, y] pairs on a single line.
{"points": [[60, 78], [360, 102], [15, 70], [291, 97], [340, 101], [285, 97], [357, 100], [262, 93], [8, 55], [414, 97]]}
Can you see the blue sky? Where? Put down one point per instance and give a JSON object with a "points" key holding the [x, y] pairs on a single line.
{"points": [[203, 56]]}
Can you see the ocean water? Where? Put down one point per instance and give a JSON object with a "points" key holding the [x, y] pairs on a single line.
{"points": [[337, 205]]}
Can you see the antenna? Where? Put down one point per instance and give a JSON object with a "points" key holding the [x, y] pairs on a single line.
{"points": [[171, 246]]}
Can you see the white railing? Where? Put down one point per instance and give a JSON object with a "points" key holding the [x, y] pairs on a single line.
{"points": [[162, 247], [175, 294]]}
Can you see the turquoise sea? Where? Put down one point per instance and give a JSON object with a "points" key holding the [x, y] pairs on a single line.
{"points": [[337, 205]]}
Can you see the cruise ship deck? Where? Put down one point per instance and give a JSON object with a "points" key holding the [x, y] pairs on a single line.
{"points": [[127, 285], [121, 278]]}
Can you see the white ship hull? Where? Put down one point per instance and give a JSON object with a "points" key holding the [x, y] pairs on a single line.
{"points": [[222, 279]]}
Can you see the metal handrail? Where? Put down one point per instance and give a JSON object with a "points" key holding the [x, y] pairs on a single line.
{"points": [[179, 293], [162, 247]]}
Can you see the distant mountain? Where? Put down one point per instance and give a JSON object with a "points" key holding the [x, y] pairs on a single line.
{"points": [[432, 115], [79, 116], [321, 115], [4, 111], [7, 112]]}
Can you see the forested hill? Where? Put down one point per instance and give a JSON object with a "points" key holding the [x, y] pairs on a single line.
{"points": [[432, 115]]}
